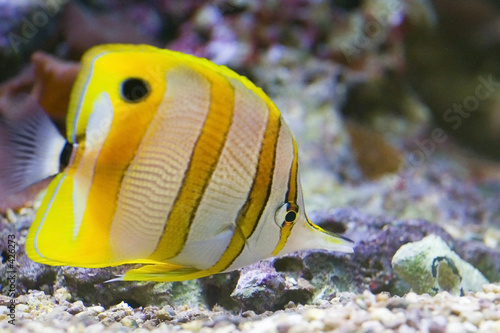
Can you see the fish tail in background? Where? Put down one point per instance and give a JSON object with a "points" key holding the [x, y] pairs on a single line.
{"points": [[30, 146]]}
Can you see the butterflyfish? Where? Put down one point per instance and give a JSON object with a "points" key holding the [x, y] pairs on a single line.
{"points": [[170, 161]]}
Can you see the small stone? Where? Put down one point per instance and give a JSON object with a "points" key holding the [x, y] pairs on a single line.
{"points": [[305, 327], [492, 288], [34, 326], [372, 326], [407, 329], [456, 327], [107, 321], [369, 298], [62, 294], [11, 216], [462, 307], [193, 326], [437, 324], [224, 320], [383, 297], [396, 302], [491, 313], [470, 327], [94, 310], [313, 314], [3, 310], [165, 314], [58, 313], [490, 326], [492, 237], [76, 307], [386, 317], [322, 303], [118, 315], [102, 316], [129, 321], [361, 303], [249, 314], [122, 309], [150, 324], [22, 308]]}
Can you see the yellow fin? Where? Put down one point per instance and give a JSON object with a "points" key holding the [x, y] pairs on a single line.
{"points": [[41, 236], [162, 273], [56, 238]]}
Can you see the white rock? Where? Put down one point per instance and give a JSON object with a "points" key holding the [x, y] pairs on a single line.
{"points": [[429, 266]]}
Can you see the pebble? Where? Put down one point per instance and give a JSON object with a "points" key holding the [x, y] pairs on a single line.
{"points": [[313, 314], [129, 321], [11, 216], [193, 326], [365, 312], [165, 314], [76, 307], [492, 288], [455, 327], [92, 311], [489, 326], [437, 324]]}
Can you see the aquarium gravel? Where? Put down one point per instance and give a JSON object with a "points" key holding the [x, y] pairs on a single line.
{"points": [[346, 312]]}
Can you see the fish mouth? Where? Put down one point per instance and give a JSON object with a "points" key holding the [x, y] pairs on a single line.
{"points": [[335, 241], [345, 245], [347, 239]]}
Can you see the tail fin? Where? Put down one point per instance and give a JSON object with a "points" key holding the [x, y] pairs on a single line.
{"points": [[30, 146]]}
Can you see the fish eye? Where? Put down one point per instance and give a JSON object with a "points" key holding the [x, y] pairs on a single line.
{"points": [[290, 216], [134, 90], [286, 214]]}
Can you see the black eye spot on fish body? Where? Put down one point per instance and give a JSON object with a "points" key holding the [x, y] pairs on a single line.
{"points": [[134, 90], [65, 157]]}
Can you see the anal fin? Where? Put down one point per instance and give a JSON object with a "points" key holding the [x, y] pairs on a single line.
{"points": [[162, 273]]}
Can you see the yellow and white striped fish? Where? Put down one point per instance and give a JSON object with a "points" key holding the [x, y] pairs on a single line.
{"points": [[169, 161]]}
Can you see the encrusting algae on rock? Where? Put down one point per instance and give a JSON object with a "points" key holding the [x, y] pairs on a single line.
{"points": [[429, 266], [172, 161]]}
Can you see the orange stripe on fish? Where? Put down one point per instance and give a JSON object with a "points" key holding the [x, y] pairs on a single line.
{"points": [[202, 164]]}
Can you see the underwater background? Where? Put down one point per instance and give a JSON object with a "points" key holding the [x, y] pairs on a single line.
{"points": [[395, 106]]}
